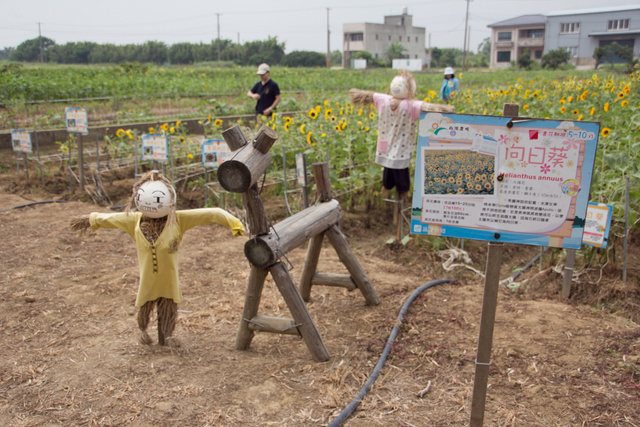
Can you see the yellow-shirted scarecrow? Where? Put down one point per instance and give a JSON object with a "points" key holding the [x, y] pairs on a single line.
{"points": [[157, 229]]}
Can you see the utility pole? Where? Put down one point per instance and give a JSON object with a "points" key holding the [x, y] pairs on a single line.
{"points": [[40, 41], [464, 51], [328, 41], [218, 15]]}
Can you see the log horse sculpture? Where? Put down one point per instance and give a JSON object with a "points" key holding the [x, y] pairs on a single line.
{"points": [[268, 245]]}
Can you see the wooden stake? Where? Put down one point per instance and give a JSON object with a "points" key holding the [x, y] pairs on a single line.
{"points": [[81, 162], [568, 272], [307, 327], [310, 265], [251, 304]]}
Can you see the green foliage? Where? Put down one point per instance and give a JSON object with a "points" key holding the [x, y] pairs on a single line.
{"points": [[615, 53], [395, 51], [524, 60], [555, 58], [304, 58], [29, 50]]}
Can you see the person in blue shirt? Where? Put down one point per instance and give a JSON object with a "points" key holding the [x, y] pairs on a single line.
{"points": [[450, 85]]}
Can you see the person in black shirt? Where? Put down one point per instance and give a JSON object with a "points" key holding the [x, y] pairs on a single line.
{"points": [[266, 92]]}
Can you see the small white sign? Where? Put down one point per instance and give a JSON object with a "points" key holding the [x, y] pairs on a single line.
{"points": [[214, 153], [596, 225], [155, 148], [76, 120]]}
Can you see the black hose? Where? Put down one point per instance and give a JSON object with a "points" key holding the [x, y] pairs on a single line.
{"points": [[34, 203], [346, 413]]}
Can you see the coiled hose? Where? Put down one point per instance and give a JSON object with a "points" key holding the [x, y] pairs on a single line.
{"points": [[346, 413]]}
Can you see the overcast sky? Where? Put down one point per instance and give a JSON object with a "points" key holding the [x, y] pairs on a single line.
{"points": [[301, 25]]}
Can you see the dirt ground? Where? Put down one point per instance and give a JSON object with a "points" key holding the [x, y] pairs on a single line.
{"points": [[69, 353]]}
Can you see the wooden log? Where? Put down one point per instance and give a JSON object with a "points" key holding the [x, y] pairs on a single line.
{"points": [[347, 257], [251, 304], [243, 169], [255, 211], [263, 251], [310, 265], [276, 325], [264, 139], [298, 309], [331, 279], [323, 181], [234, 137]]}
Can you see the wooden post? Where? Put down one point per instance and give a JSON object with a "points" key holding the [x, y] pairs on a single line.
{"points": [[310, 265], [568, 272], [347, 257], [234, 137], [323, 181], [251, 304], [26, 166], [247, 163], [487, 318], [306, 326], [35, 134], [263, 251], [80, 162]]}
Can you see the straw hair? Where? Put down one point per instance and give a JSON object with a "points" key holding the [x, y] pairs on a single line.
{"points": [[361, 97]]}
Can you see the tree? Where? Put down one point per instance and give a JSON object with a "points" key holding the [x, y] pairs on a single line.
{"points": [[336, 58], [6, 52], [524, 60], [555, 58], [601, 54], [395, 51], [304, 58], [181, 53], [256, 52], [29, 50]]}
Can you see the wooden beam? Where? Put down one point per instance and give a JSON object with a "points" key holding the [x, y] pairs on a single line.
{"points": [[251, 304], [276, 325], [332, 279]]}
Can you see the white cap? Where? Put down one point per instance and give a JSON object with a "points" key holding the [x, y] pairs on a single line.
{"points": [[263, 69], [448, 70]]}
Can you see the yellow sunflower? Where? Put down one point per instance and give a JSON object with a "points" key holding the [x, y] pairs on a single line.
{"points": [[302, 131], [120, 133], [606, 107], [312, 113], [605, 132], [217, 123]]}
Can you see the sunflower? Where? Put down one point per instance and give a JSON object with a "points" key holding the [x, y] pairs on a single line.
{"points": [[309, 139], [563, 109], [605, 132], [178, 124], [120, 133], [313, 114], [217, 123], [286, 126], [624, 103], [525, 107], [164, 126], [172, 129], [606, 107], [334, 118], [593, 110], [575, 112], [130, 135], [327, 113], [302, 131], [372, 115], [190, 156], [152, 130], [621, 95]]}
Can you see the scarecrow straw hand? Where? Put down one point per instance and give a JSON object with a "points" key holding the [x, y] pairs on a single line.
{"points": [[80, 223], [358, 96]]}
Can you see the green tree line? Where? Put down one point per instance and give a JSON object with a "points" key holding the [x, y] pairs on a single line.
{"points": [[250, 53]]}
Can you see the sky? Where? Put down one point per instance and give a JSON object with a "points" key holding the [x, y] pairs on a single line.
{"points": [[300, 25]]}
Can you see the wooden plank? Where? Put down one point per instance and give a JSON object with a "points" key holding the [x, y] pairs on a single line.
{"points": [[323, 181], [310, 265], [332, 279], [251, 304], [339, 242], [298, 309], [276, 325]]}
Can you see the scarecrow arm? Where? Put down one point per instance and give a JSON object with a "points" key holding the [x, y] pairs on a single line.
{"points": [[360, 97]]}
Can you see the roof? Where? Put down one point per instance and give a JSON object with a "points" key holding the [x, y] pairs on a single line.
{"points": [[593, 10], [521, 20]]}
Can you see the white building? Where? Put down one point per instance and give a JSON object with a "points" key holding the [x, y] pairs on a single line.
{"points": [[377, 38]]}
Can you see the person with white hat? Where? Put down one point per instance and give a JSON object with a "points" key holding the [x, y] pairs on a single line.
{"points": [[266, 92], [450, 85]]}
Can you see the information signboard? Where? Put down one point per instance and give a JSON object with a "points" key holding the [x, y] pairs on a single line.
{"points": [[76, 120], [21, 141], [596, 227], [155, 148], [505, 180], [214, 153]]}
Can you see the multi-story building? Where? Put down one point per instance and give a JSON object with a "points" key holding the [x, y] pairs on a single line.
{"points": [[511, 38], [582, 31], [377, 38], [578, 31]]}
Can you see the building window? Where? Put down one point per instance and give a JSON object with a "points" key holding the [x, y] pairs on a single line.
{"points": [[570, 28], [400, 38], [504, 36], [389, 37], [504, 56], [573, 50], [532, 34], [618, 24], [416, 39], [538, 54], [357, 37], [376, 37]]}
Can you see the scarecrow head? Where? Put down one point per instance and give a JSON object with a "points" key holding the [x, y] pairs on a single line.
{"points": [[154, 196], [403, 86]]}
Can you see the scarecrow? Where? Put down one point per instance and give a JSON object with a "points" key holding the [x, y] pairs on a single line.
{"points": [[157, 229], [397, 116]]}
